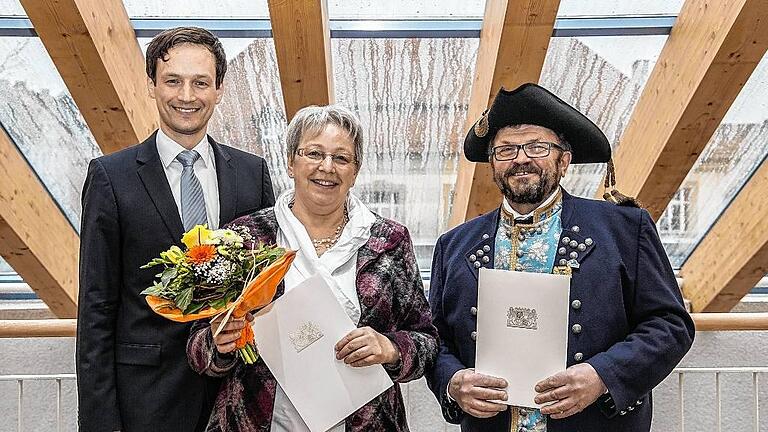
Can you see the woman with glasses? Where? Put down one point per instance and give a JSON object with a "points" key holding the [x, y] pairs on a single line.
{"points": [[367, 260]]}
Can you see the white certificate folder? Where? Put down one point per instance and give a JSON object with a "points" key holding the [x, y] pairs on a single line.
{"points": [[295, 336], [522, 329]]}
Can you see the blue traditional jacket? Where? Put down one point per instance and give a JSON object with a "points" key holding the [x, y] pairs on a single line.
{"points": [[627, 317]]}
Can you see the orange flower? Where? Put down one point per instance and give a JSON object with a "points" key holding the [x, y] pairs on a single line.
{"points": [[201, 254]]}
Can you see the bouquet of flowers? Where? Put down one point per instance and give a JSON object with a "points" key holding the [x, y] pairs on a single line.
{"points": [[217, 275]]}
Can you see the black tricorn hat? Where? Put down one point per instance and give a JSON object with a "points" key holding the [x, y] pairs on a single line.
{"points": [[535, 105]]}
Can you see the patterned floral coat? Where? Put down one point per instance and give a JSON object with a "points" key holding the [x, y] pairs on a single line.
{"points": [[392, 301]]}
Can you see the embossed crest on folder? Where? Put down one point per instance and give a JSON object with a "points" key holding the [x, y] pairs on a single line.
{"points": [[522, 317], [307, 334]]}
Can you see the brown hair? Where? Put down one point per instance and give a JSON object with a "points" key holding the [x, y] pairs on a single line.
{"points": [[160, 45]]}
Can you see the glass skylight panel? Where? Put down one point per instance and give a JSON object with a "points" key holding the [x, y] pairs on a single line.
{"points": [[405, 9], [41, 118], [412, 97], [251, 115], [572, 8], [5, 268], [203, 9], [603, 78], [11, 8], [735, 151]]}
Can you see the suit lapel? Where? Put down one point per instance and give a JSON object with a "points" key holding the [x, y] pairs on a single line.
{"points": [[226, 176], [152, 175]]}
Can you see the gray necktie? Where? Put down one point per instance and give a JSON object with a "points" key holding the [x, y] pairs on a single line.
{"points": [[192, 198]]}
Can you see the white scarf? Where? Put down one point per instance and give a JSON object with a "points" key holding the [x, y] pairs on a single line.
{"points": [[338, 265]]}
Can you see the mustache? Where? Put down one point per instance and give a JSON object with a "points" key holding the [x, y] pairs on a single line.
{"points": [[529, 167]]}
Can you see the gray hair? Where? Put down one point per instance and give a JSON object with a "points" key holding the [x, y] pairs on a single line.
{"points": [[310, 121]]}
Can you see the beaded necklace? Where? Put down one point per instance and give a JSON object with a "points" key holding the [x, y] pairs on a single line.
{"points": [[327, 242]]}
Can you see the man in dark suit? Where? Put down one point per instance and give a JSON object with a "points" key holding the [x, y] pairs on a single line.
{"points": [[627, 324], [132, 369]]}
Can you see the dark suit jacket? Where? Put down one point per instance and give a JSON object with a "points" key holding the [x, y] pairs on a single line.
{"points": [[635, 328], [132, 370]]}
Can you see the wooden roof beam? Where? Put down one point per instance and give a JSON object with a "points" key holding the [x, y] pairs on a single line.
{"points": [[712, 50], [733, 256], [36, 238], [513, 45], [302, 36], [94, 47]]}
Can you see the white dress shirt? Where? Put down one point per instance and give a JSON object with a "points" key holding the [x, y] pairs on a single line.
{"points": [[338, 266], [205, 170]]}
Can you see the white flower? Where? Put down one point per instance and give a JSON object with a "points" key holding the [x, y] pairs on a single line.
{"points": [[227, 237], [214, 272]]}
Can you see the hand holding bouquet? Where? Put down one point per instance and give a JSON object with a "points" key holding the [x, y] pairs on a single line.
{"points": [[217, 275]]}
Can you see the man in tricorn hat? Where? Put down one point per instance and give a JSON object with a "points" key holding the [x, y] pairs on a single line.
{"points": [[628, 327]]}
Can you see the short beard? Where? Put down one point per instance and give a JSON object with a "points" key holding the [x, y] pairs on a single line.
{"points": [[532, 192]]}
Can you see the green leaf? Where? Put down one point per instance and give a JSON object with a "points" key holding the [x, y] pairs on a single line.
{"points": [[184, 298], [168, 275], [218, 303], [156, 262], [194, 307], [155, 289]]}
